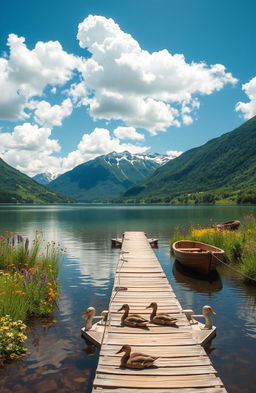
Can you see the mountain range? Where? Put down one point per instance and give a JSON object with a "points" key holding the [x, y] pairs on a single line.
{"points": [[45, 178], [107, 176], [16, 187], [223, 168]]}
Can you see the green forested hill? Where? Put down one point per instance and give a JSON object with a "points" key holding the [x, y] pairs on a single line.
{"points": [[225, 167], [16, 187], [106, 176]]}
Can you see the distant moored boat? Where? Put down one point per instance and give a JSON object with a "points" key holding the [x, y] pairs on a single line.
{"points": [[229, 225]]}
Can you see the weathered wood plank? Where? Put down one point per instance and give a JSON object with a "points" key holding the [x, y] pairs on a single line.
{"points": [[192, 370], [163, 362], [164, 352], [150, 339], [182, 365], [150, 381], [153, 329], [161, 390]]}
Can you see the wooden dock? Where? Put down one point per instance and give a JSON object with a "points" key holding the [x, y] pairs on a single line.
{"points": [[183, 366]]}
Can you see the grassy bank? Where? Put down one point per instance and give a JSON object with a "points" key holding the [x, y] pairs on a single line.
{"points": [[28, 287], [239, 246]]}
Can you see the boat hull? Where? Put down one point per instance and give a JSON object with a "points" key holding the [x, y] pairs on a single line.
{"points": [[229, 225], [197, 256]]}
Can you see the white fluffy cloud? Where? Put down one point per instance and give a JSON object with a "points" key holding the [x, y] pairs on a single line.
{"points": [[128, 133], [27, 72], [50, 116], [97, 143], [248, 109], [29, 137], [140, 88], [119, 81], [29, 148]]}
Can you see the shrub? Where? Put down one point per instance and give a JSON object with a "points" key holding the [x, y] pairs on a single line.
{"points": [[12, 338]]}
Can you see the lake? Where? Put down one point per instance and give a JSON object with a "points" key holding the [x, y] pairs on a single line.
{"points": [[59, 360]]}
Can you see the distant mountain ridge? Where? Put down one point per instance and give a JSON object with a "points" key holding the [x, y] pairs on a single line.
{"points": [[107, 176], [224, 165], [45, 178], [16, 187]]}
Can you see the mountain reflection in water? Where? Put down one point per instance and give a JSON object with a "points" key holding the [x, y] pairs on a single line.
{"points": [[59, 360]]}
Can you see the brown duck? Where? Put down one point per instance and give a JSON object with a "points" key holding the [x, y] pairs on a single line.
{"points": [[160, 318], [133, 320], [135, 360]]}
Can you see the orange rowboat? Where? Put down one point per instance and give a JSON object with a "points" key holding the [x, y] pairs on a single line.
{"points": [[197, 256]]}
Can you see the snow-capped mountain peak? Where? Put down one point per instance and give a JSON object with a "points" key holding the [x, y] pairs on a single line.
{"points": [[46, 177]]}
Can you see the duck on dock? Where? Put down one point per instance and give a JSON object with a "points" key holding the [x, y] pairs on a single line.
{"points": [[206, 310], [90, 313], [135, 360], [133, 320], [160, 318]]}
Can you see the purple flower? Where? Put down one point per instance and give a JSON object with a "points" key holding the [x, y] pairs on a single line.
{"points": [[44, 279], [26, 244], [19, 238]]}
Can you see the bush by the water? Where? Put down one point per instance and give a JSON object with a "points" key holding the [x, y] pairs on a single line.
{"points": [[239, 245], [12, 338], [28, 285]]}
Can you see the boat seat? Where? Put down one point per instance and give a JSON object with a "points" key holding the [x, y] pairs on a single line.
{"points": [[194, 249]]}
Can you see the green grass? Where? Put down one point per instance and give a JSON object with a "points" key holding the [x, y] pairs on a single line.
{"points": [[239, 246]]}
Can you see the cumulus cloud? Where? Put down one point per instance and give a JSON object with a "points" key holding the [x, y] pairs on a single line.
{"points": [[26, 73], [248, 109], [128, 133], [29, 137], [50, 116], [173, 154], [97, 143], [29, 148], [140, 88]]}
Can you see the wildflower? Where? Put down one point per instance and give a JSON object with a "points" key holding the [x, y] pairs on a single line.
{"points": [[26, 244]]}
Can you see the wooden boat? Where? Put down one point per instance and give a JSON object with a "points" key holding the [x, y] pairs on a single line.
{"points": [[198, 256], [229, 225]]}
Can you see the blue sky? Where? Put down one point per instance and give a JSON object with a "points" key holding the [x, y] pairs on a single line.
{"points": [[120, 85]]}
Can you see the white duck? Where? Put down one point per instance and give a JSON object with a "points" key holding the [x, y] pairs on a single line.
{"points": [[90, 313], [206, 310]]}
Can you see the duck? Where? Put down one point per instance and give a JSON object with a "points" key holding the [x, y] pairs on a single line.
{"points": [[160, 318], [90, 313], [133, 320], [206, 310], [135, 360]]}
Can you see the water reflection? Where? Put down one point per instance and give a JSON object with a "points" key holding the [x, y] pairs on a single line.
{"points": [[59, 359], [196, 282]]}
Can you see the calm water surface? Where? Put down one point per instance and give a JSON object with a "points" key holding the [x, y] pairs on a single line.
{"points": [[59, 359]]}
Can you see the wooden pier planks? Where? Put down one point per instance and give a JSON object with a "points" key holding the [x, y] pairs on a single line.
{"points": [[183, 366]]}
